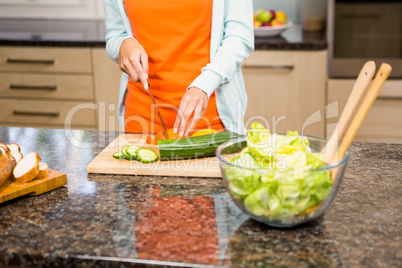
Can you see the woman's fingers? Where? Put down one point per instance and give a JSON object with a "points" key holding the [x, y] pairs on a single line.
{"points": [[144, 63], [140, 72], [177, 123], [198, 113], [193, 101], [134, 61], [180, 114], [186, 115], [129, 69]]}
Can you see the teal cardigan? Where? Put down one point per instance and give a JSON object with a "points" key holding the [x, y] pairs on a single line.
{"points": [[232, 41]]}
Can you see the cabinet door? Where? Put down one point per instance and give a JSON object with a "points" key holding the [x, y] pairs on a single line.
{"points": [[384, 122], [286, 90]]}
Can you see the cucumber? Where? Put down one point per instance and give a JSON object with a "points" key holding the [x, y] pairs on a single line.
{"points": [[119, 155], [132, 152], [193, 147], [146, 155]]}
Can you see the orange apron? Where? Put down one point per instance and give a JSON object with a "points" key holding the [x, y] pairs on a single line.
{"points": [[176, 35]]}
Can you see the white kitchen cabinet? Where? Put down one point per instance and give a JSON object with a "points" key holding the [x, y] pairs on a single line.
{"points": [[54, 87], [286, 90], [52, 9], [384, 121]]}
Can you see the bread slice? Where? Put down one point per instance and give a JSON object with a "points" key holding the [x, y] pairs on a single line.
{"points": [[43, 171], [27, 168], [2, 145], [15, 151]]}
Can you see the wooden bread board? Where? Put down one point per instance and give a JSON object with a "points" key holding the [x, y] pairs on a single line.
{"points": [[12, 188], [104, 163]]}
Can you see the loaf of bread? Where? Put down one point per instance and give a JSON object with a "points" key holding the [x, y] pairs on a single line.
{"points": [[7, 163]]}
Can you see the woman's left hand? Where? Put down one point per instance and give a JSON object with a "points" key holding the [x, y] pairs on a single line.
{"points": [[194, 100]]}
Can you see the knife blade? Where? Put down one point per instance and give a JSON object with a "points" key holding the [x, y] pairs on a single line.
{"points": [[151, 95]]}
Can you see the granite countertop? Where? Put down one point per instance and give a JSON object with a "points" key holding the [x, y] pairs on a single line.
{"points": [[121, 221], [91, 33]]}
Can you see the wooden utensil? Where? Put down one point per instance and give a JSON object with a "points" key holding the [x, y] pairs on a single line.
{"points": [[381, 76], [359, 89]]}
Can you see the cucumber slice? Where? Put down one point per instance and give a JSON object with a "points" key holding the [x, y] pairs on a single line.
{"points": [[119, 155], [146, 155], [124, 151], [132, 152]]}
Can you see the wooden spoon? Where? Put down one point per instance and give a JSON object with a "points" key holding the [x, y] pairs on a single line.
{"points": [[362, 82], [381, 76]]}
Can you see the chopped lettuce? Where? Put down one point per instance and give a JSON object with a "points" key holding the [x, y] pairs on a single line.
{"points": [[274, 175]]}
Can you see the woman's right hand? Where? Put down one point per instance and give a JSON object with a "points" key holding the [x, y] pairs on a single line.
{"points": [[133, 60]]}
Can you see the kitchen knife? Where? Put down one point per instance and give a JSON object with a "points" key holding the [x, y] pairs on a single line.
{"points": [[151, 95]]}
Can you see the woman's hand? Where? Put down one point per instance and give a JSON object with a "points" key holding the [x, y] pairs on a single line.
{"points": [[194, 100], [133, 60]]}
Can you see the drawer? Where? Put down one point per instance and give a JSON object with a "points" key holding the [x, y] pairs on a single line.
{"points": [[46, 113], [384, 122], [285, 89], [45, 59], [287, 60], [44, 86]]}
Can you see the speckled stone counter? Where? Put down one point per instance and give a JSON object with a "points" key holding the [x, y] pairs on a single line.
{"points": [[91, 33], [123, 221]]}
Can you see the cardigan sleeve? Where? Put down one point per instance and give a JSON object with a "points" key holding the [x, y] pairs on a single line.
{"points": [[116, 31], [236, 45]]}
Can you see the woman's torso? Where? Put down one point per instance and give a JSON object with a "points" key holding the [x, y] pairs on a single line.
{"points": [[176, 35]]}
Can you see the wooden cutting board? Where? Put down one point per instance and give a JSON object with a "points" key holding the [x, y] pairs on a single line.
{"points": [[12, 188], [104, 162]]}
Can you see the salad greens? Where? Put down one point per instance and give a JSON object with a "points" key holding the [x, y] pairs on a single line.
{"points": [[274, 175]]}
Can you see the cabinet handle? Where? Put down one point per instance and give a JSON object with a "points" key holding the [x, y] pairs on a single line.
{"points": [[360, 16], [287, 67], [36, 113], [31, 61], [33, 87]]}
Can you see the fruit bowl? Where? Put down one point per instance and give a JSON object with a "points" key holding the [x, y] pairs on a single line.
{"points": [[268, 31], [280, 198]]}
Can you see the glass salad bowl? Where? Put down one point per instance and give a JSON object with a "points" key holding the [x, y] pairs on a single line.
{"points": [[281, 184]]}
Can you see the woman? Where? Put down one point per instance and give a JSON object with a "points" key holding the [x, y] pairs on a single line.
{"points": [[190, 53]]}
